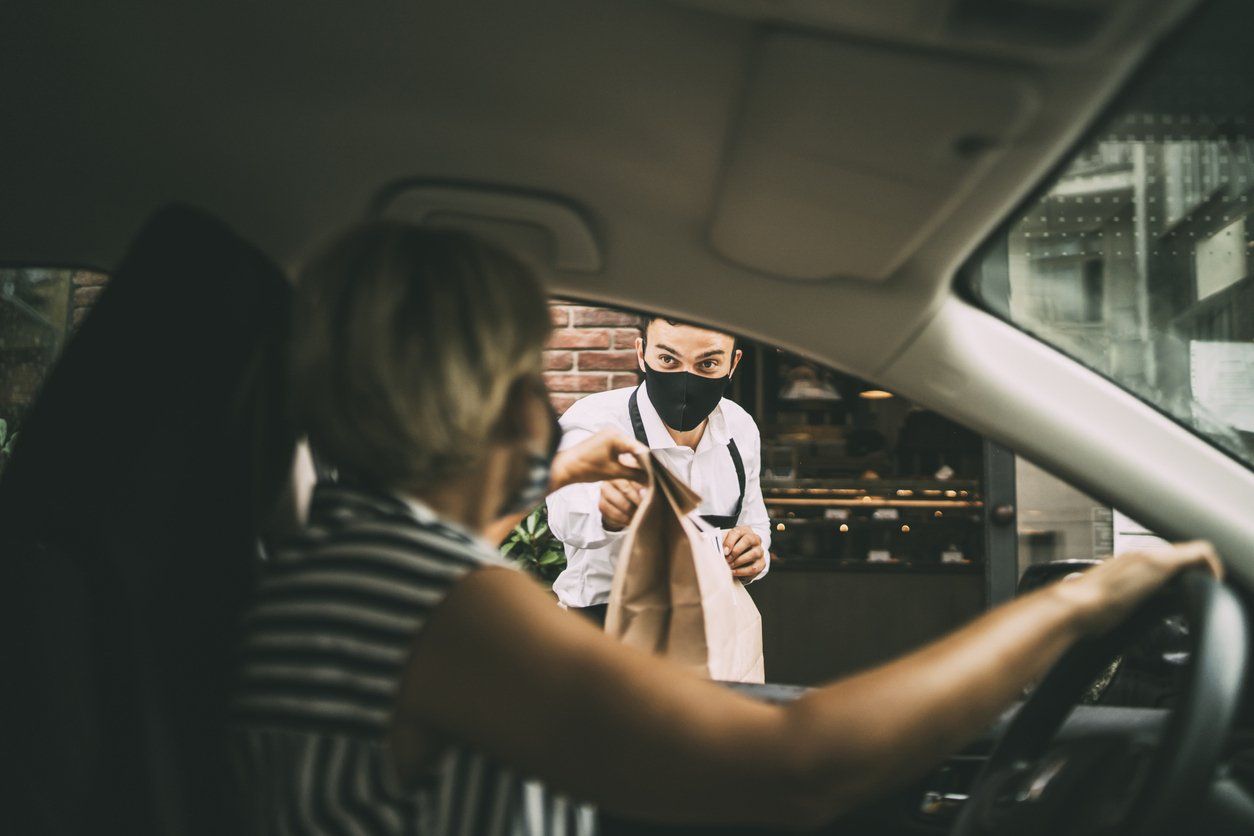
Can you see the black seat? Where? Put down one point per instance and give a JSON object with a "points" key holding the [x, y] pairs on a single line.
{"points": [[129, 516]]}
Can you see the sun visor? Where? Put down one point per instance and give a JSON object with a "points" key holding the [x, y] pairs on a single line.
{"points": [[845, 156]]}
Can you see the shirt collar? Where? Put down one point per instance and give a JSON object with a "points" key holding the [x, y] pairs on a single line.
{"points": [[660, 437], [334, 499], [427, 515]]}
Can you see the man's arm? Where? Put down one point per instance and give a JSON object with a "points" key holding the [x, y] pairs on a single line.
{"points": [[574, 512], [575, 516]]}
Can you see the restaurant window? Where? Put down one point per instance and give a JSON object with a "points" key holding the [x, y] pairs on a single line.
{"points": [[856, 476], [877, 505]]}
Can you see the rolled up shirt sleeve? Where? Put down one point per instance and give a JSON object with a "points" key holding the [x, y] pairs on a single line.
{"points": [[574, 516], [574, 513]]}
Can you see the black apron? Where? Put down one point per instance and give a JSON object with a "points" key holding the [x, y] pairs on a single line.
{"points": [[716, 520]]}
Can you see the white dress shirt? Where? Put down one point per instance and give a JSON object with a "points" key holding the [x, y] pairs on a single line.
{"points": [[574, 518]]}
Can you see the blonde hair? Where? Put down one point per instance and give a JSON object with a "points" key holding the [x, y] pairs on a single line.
{"points": [[406, 343]]}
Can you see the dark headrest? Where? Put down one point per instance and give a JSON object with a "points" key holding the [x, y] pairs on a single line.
{"points": [[128, 521], [184, 322]]}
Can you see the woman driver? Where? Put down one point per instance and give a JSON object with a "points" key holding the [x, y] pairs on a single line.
{"points": [[396, 676]]}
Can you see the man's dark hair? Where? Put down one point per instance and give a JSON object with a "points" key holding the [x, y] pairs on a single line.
{"points": [[649, 319]]}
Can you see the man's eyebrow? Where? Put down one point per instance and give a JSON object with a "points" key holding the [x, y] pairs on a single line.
{"points": [[714, 352]]}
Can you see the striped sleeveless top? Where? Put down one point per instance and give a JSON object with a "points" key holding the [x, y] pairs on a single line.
{"points": [[324, 648]]}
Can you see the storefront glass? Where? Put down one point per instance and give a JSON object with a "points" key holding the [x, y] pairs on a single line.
{"points": [[879, 526], [855, 476]]}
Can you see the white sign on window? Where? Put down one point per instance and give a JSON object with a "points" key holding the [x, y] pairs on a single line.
{"points": [[1222, 377]]}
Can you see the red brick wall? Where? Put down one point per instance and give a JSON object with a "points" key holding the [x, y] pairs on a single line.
{"points": [[592, 350]]}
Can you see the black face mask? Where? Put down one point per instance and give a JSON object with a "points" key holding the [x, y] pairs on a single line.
{"points": [[683, 399], [533, 486]]}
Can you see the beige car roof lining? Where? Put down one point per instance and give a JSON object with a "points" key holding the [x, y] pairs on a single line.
{"points": [[286, 119]]}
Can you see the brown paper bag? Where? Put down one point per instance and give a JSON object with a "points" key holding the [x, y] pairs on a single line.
{"points": [[673, 592]]}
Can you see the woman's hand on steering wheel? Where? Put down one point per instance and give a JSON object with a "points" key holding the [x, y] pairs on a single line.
{"points": [[1107, 593], [1149, 777]]}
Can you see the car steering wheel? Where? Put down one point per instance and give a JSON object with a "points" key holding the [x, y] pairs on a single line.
{"points": [[1144, 784]]}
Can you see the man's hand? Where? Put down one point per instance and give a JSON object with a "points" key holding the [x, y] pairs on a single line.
{"points": [[742, 547], [607, 455], [619, 500]]}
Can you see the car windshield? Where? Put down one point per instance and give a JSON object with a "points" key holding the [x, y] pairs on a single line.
{"points": [[1136, 258]]}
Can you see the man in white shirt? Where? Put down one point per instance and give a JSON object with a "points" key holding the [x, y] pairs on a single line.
{"points": [[709, 442]]}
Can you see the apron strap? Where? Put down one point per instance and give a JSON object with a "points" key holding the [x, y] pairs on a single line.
{"points": [[716, 520], [637, 424], [740, 475]]}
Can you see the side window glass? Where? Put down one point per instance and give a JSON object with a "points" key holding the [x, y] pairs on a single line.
{"points": [[38, 309], [883, 515], [857, 475], [1057, 522], [876, 506], [1060, 530], [877, 509]]}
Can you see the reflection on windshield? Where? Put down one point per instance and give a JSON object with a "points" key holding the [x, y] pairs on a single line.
{"points": [[1137, 260]]}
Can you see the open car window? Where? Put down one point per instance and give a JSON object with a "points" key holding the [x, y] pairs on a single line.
{"points": [[1136, 258], [876, 508]]}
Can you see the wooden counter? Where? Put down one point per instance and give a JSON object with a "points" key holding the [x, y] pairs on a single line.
{"points": [[821, 620]]}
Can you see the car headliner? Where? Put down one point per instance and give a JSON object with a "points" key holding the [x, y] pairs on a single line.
{"points": [[806, 173]]}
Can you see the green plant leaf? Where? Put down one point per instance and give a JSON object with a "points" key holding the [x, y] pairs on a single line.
{"points": [[533, 547]]}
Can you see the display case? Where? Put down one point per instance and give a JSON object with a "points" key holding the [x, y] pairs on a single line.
{"points": [[858, 477], [897, 522], [878, 508]]}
